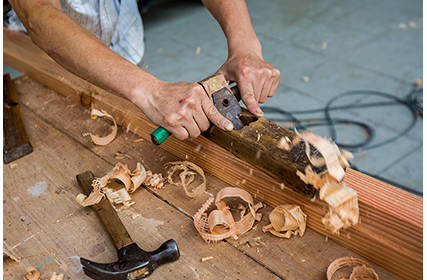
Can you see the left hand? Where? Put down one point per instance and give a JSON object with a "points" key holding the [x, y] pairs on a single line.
{"points": [[255, 78]]}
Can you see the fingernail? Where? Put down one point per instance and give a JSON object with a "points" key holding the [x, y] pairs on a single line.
{"points": [[229, 126], [259, 113]]}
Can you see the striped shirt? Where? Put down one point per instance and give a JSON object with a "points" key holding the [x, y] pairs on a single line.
{"points": [[117, 23]]}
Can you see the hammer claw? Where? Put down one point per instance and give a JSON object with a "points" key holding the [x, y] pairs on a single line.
{"points": [[134, 263]]}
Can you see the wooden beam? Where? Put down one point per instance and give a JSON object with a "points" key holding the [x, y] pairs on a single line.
{"points": [[391, 227]]}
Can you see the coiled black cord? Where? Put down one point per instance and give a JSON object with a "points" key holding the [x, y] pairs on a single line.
{"points": [[413, 101]]}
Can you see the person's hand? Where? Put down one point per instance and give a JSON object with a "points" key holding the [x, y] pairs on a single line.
{"points": [[255, 78], [182, 108]]}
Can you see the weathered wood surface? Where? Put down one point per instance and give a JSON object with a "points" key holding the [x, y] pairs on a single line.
{"points": [[49, 230], [397, 246]]}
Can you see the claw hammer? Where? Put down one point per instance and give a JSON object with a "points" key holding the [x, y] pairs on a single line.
{"points": [[134, 263]]}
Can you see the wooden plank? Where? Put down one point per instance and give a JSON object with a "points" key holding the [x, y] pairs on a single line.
{"points": [[384, 245], [16, 141], [50, 231], [298, 258]]}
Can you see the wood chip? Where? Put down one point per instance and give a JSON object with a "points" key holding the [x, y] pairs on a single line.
{"points": [[220, 223], [53, 276], [106, 139], [362, 269], [135, 215], [33, 273], [207, 259], [286, 220]]}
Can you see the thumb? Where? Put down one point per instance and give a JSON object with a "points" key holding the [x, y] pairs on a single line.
{"points": [[215, 117]]}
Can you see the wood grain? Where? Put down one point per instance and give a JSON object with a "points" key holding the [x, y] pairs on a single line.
{"points": [[390, 232], [304, 257]]}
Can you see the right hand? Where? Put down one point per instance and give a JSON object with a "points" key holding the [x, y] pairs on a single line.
{"points": [[182, 108]]}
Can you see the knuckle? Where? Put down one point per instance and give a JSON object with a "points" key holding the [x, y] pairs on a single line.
{"points": [[211, 111]]}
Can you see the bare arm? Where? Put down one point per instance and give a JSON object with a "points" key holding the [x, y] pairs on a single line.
{"points": [[182, 108], [245, 65]]}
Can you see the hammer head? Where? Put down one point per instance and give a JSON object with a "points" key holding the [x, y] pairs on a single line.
{"points": [[134, 263]]}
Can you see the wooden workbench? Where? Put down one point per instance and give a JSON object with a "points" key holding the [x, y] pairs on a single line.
{"points": [[47, 229]]}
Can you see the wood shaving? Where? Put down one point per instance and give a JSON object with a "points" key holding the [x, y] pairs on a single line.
{"points": [[102, 141], [207, 259], [13, 166], [362, 270], [286, 220], [53, 276], [131, 181], [220, 223], [187, 177], [135, 215], [33, 273], [342, 200]]}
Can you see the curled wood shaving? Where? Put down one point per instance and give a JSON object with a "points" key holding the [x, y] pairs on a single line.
{"points": [[131, 182], [120, 196], [220, 223], [330, 152], [342, 200], [362, 269], [187, 177], [33, 273], [102, 141], [139, 175], [286, 220]]}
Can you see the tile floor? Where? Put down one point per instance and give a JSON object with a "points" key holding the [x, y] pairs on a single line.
{"points": [[323, 49]]}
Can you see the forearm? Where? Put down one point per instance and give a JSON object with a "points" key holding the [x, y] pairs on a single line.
{"points": [[78, 50], [233, 17]]}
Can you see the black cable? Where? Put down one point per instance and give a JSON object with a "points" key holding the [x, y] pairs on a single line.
{"points": [[375, 93], [413, 101]]}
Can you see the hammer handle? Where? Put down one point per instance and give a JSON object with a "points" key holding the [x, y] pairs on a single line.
{"points": [[106, 213]]}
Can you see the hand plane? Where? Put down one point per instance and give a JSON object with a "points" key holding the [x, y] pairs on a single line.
{"points": [[254, 140]]}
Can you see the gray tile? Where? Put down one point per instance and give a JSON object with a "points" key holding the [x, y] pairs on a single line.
{"points": [[377, 160], [375, 17], [172, 61], [396, 116], [292, 61], [328, 39], [391, 54], [337, 77], [408, 171]]}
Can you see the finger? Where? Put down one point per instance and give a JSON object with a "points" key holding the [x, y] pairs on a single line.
{"points": [[202, 122], [265, 90], [248, 97], [192, 128], [180, 133], [275, 82], [215, 117], [263, 97]]}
